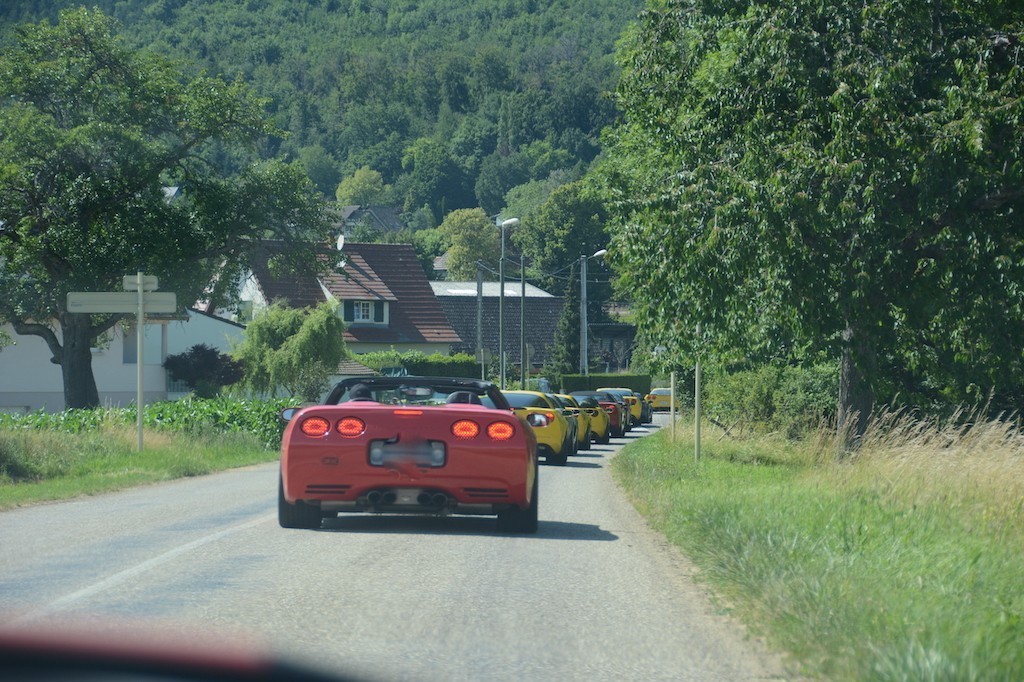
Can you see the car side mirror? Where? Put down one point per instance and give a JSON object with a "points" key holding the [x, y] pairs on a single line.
{"points": [[288, 413]]}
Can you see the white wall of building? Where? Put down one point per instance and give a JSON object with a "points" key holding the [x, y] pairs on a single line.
{"points": [[30, 382]]}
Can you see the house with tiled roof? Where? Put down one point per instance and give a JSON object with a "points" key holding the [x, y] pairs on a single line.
{"points": [[539, 309], [378, 218], [386, 300]]}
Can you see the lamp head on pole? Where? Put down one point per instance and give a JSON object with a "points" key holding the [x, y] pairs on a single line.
{"points": [[511, 222], [601, 253]]}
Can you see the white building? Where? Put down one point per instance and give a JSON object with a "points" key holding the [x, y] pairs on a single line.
{"points": [[30, 382]]}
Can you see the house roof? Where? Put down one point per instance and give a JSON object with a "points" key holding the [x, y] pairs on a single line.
{"points": [[490, 289], [416, 315], [369, 272], [541, 314], [353, 368], [383, 217]]}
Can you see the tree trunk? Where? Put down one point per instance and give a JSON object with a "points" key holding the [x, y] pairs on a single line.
{"points": [[76, 362], [856, 395]]}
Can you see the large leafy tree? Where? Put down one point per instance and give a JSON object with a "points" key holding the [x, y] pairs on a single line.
{"points": [[363, 187], [570, 223], [91, 136], [839, 176], [471, 237]]}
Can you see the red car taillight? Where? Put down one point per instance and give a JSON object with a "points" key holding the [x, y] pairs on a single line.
{"points": [[465, 429], [315, 426], [500, 431], [350, 427]]}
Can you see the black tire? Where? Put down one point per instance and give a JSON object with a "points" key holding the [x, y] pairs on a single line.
{"points": [[560, 459], [298, 515], [516, 520], [607, 438]]}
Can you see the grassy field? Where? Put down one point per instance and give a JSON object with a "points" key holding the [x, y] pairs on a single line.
{"points": [[902, 562], [57, 456], [55, 466]]}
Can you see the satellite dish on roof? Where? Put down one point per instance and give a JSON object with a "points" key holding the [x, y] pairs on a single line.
{"points": [[340, 244]]}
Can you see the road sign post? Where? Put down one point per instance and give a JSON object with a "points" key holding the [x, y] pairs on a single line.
{"points": [[139, 297]]}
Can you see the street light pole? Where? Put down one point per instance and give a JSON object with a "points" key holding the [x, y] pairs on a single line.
{"points": [[584, 365], [584, 341], [480, 318], [511, 222], [522, 319]]}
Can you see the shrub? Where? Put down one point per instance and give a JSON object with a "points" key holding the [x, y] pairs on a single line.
{"points": [[418, 363], [204, 370], [794, 398]]}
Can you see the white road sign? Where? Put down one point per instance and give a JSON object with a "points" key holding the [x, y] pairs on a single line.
{"points": [[121, 302], [131, 282]]}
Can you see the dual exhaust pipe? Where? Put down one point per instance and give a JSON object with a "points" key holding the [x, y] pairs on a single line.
{"points": [[377, 498]]}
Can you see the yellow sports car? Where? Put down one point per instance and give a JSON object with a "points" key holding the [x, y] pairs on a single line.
{"points": [[660, 399], [584, 435], [555, 438], [600, 420]]}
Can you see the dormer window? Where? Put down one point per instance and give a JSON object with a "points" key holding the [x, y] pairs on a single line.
{"points": [[365, 312]]}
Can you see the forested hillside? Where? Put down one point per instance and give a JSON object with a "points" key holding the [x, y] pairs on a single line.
{"points": [[452, 103]]}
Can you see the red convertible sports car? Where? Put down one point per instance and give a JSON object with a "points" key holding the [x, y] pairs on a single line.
{"points": [[409, 445]]}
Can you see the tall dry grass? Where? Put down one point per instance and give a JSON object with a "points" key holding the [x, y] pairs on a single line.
{"points": [[967, 461]]}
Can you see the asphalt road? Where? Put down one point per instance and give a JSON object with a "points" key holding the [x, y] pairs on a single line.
{"points": [[594, 595]]}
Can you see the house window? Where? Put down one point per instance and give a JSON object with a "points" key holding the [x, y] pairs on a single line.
{"points": [[362, 311], [365, 312]]}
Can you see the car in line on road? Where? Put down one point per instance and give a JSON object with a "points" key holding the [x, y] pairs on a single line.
{"points": [[660, 399], [600, 421], [633, 400], [555, 436], [409, 445], [584, 435], [614, 406]]}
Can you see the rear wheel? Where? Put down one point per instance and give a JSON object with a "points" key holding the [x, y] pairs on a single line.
{"points": [[298, 515], [516, 520], [607, 437]]}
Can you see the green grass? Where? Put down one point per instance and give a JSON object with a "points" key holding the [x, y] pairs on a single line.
{"points": [[45, 457], [901, 563], [39, 466]]}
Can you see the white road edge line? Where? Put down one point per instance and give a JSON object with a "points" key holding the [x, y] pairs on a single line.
{"points": [[66, 601]]}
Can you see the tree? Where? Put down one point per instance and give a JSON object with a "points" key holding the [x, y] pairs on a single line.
{"points": [[433, 179], [361, 188], [321, 168], [471, 237], [204, 369], [91, 136], [565, 354], [848, 178], [569, 224], [294, 349]]}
